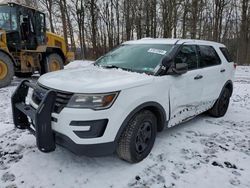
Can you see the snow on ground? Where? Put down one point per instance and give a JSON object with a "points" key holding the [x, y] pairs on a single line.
{"points": [[202, 153]]}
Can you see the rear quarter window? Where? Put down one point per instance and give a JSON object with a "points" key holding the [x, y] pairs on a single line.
{"points": [[226, 54]]}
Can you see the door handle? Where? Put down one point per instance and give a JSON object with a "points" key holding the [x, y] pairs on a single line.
{"points": [[198, 77], [223, 70]]}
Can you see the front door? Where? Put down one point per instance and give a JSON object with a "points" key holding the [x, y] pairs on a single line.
{"points": [[186, 90]]}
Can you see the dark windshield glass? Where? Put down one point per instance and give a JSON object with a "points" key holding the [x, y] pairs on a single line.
{"points": [[136, 57], [8, 18]]}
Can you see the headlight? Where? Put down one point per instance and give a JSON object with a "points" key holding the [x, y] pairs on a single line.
{"points": [[93, 101]]}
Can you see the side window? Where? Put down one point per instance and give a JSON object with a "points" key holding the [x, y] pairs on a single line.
{"points": [[226, 54], [40, 28], [208, 57], [188, 54]]}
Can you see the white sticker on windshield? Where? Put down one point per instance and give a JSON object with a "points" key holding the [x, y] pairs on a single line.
{"points": [[157, 51]]}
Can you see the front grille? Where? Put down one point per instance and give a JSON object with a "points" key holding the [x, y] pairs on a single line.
{"points": [[62, 97], [62, 100]]}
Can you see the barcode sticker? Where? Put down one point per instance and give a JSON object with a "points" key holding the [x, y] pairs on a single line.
{"points": [[157, 51]]}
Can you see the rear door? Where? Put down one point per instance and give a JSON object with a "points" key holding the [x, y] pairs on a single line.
{"points": [[213, 73], [186, 90]]}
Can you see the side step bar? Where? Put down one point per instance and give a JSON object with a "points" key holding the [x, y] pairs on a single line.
{"points": [[40, 117]]}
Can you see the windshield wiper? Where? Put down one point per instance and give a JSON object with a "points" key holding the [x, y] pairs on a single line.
{"points": [[111, 67], [117, 67]]}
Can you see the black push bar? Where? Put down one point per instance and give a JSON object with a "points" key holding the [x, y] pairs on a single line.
{"points": [[40, 118]]}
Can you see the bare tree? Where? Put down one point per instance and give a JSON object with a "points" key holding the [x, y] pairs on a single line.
{"points": [[244, 28], [49, 5], [96, 26]]}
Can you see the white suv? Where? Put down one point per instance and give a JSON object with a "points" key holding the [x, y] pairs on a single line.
{"points": [[119, 103]]}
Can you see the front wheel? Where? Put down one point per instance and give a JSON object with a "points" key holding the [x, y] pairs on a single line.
{"points": [[6, 70], [54, 63], [137, 141], [221, 106]]}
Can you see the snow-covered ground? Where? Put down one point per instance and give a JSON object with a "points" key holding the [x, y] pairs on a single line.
{"points": [[203, 153]]}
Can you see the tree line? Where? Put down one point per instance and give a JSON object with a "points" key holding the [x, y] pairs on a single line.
{"points": [[93, 27]]}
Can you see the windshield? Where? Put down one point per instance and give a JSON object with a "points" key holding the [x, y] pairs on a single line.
{"points": [[8, 18], [135, 57]]}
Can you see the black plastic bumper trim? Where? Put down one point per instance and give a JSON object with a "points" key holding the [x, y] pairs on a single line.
{"points": [[91, 150], [97, 128]]}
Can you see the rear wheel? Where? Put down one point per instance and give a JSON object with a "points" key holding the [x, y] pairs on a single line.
{"points": [[220, 107], [54, 63], [6, 70], [137, 140]]}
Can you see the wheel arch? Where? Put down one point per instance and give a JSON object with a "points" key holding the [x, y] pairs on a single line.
{"points": [[154, 107], [228, 85], [51, 50]]}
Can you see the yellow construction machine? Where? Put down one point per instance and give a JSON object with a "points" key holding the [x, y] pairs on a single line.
{"points": [[25, 45]]}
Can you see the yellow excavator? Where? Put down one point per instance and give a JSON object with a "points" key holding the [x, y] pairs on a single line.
{"points": [[25, 45]]}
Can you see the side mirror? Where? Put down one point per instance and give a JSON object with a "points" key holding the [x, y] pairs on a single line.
{"points": [[180, 68], [167, 61]]}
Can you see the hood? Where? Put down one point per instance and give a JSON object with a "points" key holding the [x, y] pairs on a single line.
{"points": [[93, 79]]}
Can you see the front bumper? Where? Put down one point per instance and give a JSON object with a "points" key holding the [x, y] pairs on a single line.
{"points": [[42, 122], [91, 150]]}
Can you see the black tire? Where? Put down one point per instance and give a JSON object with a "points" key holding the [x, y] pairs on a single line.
{"points": [[23, 74], [221, 106], [52, 59], [134, 145], [6, 70]]}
